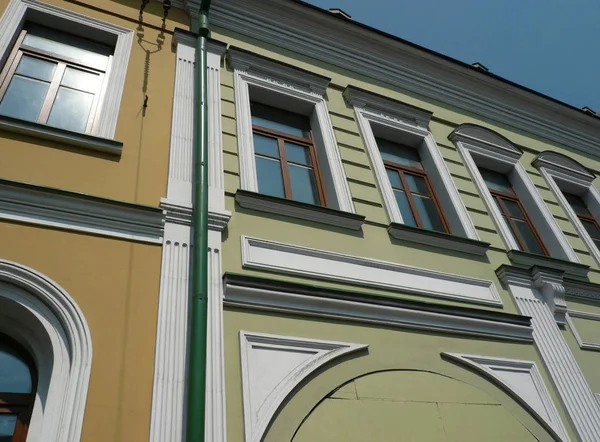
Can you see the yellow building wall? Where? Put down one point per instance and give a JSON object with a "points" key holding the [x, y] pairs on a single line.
{"points": [[139, 175], [115, 283]]}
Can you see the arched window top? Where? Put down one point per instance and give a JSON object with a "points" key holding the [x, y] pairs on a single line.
{"points": [[561, 163], [16, 374], [485, 139]]}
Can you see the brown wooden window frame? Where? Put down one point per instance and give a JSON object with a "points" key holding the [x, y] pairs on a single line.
{"points": [[584, 216], [402, 170], [20, 404], [500, 196], [281, 138], [12, 63]]}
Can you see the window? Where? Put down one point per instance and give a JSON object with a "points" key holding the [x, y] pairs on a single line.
{"points": [[74, 68], [585, 217], [17, 391], [512, 211], [286, 161], [519, 212], [412, 189], [418, 193], [54, 78], [286, 142]]}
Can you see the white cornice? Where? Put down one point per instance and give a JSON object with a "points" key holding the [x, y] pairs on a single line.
{"points": [[245, 61], [26, 203], [563, 167], [237, 295], [311, 33]]}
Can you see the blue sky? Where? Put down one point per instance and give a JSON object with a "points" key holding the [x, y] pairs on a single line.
{"points": [[551, 46]]}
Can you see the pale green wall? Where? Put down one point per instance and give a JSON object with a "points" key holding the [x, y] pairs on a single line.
{"points": [[389, 349], [373, 241]]}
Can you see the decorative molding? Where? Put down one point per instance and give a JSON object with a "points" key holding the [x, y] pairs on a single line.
{"points": [[61, 136], [271, 256], [523, 381], [168, 419], [376, 113], [570, 383], [438, 239], [392, 109], [479, 146], [549, 282], [296, 209], [31, 204], [369, 309], [249, 62], [313, 33], [582, 290], [41, 315], [583, 315], [216, 184], [305, 94], [13, 20], [564, 174], [272, 366], [528, 260], [181, 158]]}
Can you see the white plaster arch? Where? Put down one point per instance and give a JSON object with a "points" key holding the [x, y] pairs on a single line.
{"points": [[42, 317]]}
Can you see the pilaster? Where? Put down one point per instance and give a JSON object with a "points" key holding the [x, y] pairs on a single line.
{"points": [[540, 300]]}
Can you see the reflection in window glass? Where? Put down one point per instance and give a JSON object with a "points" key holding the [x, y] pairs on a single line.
{"points": [[24, 98], [304, 187], [270, 180]]}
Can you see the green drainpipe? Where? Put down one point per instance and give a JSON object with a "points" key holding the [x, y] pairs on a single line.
{"points": [[199, 307]]}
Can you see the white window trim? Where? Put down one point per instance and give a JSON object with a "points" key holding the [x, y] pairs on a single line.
{"points": [[13, 20], [583, 315], [559, 170], [291, 82], [41, 316], [370, 108], [491, 147]]}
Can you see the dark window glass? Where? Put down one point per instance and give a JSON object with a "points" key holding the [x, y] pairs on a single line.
{"points": [[54, 78], [17, 389], [286, 161], [507, 201], [399, 154], [418, 206], [496, 180], [405, 208], [280, 120]]}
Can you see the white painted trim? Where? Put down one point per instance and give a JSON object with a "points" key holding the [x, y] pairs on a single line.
{"points": [[559, 173], [570, 383], [42, 316], [371, 109], [168, 418], [264, 393], [583, 315], [315, 35], [480, 146], [272, 256], [250, 70], [543, 408], [25, 203], [108, 110], [371, 313]]}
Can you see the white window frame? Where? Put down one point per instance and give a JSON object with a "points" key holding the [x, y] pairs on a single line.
{"points": [[373, 112], [46, 321], [483, 147], [564, 174], [287, 83], [19, 11]]}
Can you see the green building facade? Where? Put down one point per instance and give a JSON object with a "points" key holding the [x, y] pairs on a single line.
{"points": [[401, 246]]}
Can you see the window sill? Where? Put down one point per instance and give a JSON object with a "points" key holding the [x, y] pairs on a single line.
{"points": [[60, 135], [438, 239], [295, 209], [531, 259]]}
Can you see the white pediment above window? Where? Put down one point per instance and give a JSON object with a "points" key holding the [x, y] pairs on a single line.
{"points": [[485, 141], [563, 165]]}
